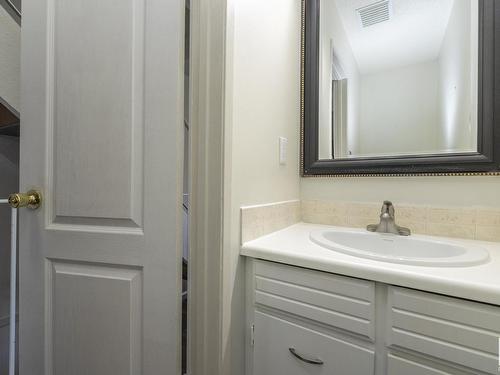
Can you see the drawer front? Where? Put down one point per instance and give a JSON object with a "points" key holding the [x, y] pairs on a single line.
{"points": [[454, 330], [337, 301], [275, 337], [401, 366]]}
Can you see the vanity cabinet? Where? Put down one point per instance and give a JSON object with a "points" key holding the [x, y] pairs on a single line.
{"points": [[283, 347], [302, 321]]}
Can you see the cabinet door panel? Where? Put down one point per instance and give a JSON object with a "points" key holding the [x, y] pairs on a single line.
{"points": [[457, 331], [275, 337], [400, 366], [337, 301]]}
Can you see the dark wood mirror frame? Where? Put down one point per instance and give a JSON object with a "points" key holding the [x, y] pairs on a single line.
{"points": [[484, 162]]}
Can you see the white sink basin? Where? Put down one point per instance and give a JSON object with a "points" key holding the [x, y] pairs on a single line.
{"points": [[413, 250]]}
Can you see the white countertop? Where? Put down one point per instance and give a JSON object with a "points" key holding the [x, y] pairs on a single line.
{"points": [[292, 246]]}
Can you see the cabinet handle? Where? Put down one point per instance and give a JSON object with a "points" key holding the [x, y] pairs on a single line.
{"points": [[312, 361]]}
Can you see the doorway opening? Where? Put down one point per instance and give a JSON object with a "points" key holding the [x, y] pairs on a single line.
{"points": [[10, 39]]}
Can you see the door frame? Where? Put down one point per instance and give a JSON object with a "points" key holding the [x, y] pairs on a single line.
{"points": [[207, 96]]}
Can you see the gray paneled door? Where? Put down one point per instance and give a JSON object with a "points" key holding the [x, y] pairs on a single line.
{"points": [[101, 137]]}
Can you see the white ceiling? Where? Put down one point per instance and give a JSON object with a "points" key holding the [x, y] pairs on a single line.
{"points": [[414, 34]]}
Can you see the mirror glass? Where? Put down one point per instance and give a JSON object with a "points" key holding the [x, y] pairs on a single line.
{"points": [[397, 77]]}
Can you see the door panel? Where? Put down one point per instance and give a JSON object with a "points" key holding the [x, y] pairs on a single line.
{"points": [[101, 136], [96, 313], [98, 96]]}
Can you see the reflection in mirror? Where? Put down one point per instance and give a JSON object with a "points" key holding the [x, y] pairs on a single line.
{"points": [[397, 77]]}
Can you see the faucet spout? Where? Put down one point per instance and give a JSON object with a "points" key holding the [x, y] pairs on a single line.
{"points": [[387, 222]]}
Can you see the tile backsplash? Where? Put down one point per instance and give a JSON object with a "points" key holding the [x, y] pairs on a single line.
{"points": [[257, 221], [470, 223]]}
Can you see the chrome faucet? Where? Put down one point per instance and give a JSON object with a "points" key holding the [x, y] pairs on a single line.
{"points": [[388, 222]]}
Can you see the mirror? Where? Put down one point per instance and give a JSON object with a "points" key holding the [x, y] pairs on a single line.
{"points": [[397, 77], [395, 84]]}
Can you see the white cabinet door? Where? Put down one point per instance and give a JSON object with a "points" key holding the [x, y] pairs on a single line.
{"points": [[334, 300], [461, 332], [101, 136], [281, 347], [401, 366]]}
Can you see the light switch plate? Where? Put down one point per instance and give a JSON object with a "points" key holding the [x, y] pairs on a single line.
{"points": [[283, 150]]}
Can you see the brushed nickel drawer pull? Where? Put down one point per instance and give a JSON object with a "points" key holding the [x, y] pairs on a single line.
{"points": [[311, 361]]}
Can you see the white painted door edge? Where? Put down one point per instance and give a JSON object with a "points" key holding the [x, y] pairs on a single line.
{"points": [[207, 97]]}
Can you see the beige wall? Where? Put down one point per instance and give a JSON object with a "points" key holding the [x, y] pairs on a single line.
{"points": [[263, 103], [441, 191]]}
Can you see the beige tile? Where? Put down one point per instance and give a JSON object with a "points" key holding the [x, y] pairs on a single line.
{"points": [[325, 219], [332, 220], [324, 207], [438, 221], [415, 227], [251, 232], [306, 213], [488, 217], [258, 221], [333, 208], [361, 222], [488, 233], [364, 210], [307, 206], [451, 230], [308, 217], [253, 225], [293, 214], [411, 213], [451, 216], [311, 206]]}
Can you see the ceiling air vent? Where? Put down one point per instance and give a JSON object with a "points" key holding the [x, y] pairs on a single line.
{"points": [[372, 14]]}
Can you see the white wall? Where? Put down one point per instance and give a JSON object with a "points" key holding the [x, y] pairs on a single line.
{"points": [[332, 32], [399, 110], [267, 187], [262, 90], [457, 85], [10, 59], [263, 103]]}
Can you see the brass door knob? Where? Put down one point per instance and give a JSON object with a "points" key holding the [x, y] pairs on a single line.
{"points": [[32, 199]]}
